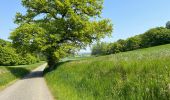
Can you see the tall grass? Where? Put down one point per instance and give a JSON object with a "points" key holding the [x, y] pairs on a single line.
{"points": [[136, 75], [11, 73]]}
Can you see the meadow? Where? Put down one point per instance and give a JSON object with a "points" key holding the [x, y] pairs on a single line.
{"points": [[9, 74], [142, 74]]}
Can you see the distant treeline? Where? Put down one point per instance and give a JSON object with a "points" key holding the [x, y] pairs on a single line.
{"points": [[153, 37], [10, 56]]}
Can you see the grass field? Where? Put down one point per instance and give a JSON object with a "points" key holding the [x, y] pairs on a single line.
{"points": [[135, 75], [10, 73]]}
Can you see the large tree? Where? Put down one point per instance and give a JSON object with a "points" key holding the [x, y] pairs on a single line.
{"points": [[59, 27]]}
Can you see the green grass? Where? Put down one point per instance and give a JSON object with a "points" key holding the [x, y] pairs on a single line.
{"points": [[135, 75], [9, 74]]}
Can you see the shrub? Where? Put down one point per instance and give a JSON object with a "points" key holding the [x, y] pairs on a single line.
{"points": [[168, 25], [8, 56], [114, 48], [156, 36], [123, 44], [100, 49], [4, 43], [133, 43], [28, 59]]}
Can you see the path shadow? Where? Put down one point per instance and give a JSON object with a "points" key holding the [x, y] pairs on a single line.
{"points": [[35, 74]]}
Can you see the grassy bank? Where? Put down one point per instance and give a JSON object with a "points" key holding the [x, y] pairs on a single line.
{"points": [[10, 73], [136, 75]]}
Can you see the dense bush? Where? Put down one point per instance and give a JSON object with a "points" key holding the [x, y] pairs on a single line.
{"points": [[28, 59], [100, 49], [114, 48], [133, 43], [168, 25], [156, 36], [123, 45], [9, 55], [153, 37], [4, 43]]}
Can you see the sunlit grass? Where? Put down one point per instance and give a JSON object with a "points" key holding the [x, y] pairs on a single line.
{"points": [[11, 73], [136, 75]]}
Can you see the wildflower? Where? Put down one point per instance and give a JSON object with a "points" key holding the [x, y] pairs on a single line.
{"points": [[147, 89], [133, 89], [160, 75], [169, 86]]}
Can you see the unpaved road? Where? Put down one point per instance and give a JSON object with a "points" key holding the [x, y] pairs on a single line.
{"points": [[32, 87]]}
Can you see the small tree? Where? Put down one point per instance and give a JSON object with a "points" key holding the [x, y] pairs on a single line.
{"points": [[168, 25], [99, 49], [58, 27], [122, 44], [114, 48], [133, 43]]}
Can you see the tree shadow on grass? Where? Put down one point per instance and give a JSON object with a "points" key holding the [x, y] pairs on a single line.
{"points": [[18, 72], [48, 69], [24, 73]]}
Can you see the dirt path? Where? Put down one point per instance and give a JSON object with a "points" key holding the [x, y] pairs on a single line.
{"points": [[32, 87]]}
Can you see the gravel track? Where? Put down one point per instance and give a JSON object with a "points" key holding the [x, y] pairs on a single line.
{"points": [[31, 87]]}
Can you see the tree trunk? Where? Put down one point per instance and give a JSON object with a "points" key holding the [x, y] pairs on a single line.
{"points": [[51, 62]]}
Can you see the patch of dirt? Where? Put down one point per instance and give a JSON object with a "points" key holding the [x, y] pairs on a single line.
{"points": [[2, 71]]}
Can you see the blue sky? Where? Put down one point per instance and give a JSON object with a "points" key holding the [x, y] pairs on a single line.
{"points": [[130, 17]]}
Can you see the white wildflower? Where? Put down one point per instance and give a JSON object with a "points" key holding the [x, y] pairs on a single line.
{"points": [[147, 89], [169, 86]]}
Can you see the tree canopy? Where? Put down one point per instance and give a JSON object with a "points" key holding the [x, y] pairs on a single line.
{"points": [[4, 43], [59, 27]]}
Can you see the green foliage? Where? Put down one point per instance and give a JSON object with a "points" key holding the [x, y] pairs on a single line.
{"points": [[114, 48], [123, 44], [99, 49], [133, 43], [56, 27], [153, 37], [156, 36], [135, 75], [28, 59], [28, 37], [4, 43], [8, 56], [168, 25]]}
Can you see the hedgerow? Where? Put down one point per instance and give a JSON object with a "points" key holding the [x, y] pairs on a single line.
{"points": [[152, 37]]}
